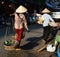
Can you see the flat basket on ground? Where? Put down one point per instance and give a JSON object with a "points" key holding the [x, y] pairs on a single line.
{"points": [[8, 47]]}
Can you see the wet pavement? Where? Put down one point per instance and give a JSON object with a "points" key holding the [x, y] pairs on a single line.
{"points": [[29, 45]]}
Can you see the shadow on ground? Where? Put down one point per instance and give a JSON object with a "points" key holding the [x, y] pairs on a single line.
{"points": [[32, 43]]}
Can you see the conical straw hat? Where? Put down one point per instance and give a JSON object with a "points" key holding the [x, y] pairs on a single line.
{"points": [[46, 11], [21, 9]]}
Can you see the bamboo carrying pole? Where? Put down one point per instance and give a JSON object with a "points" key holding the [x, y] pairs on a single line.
{"points": [[39, 50]]}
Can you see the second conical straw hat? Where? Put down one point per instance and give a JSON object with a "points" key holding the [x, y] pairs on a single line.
{"points": [[46, 11]]}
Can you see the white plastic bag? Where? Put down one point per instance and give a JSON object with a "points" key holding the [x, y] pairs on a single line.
{"points": [[51, 48]]}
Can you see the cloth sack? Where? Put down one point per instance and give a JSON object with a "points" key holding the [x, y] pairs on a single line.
{"points": [[40, 20], [53, 24]]}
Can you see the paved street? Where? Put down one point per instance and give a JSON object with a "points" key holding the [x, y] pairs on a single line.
{"points": [[29, 45]]}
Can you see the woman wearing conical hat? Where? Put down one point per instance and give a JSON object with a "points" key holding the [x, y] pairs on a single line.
{"points": [[46, 28], [20, 22]]}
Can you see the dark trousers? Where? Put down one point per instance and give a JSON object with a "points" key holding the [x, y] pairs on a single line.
{"points": [[49, 31], [54, 32], [46, 32]]}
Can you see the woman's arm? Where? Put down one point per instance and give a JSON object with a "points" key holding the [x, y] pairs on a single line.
{"points": [[25, 23]]}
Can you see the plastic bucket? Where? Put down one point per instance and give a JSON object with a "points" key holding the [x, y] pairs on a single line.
{"points": [[58, 53], [58, 50]]}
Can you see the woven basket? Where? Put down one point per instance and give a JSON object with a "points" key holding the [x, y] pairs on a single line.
{"points": [[9, 47]]}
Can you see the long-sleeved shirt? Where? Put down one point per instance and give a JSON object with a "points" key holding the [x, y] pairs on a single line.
{"points": [[47, 18]]}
